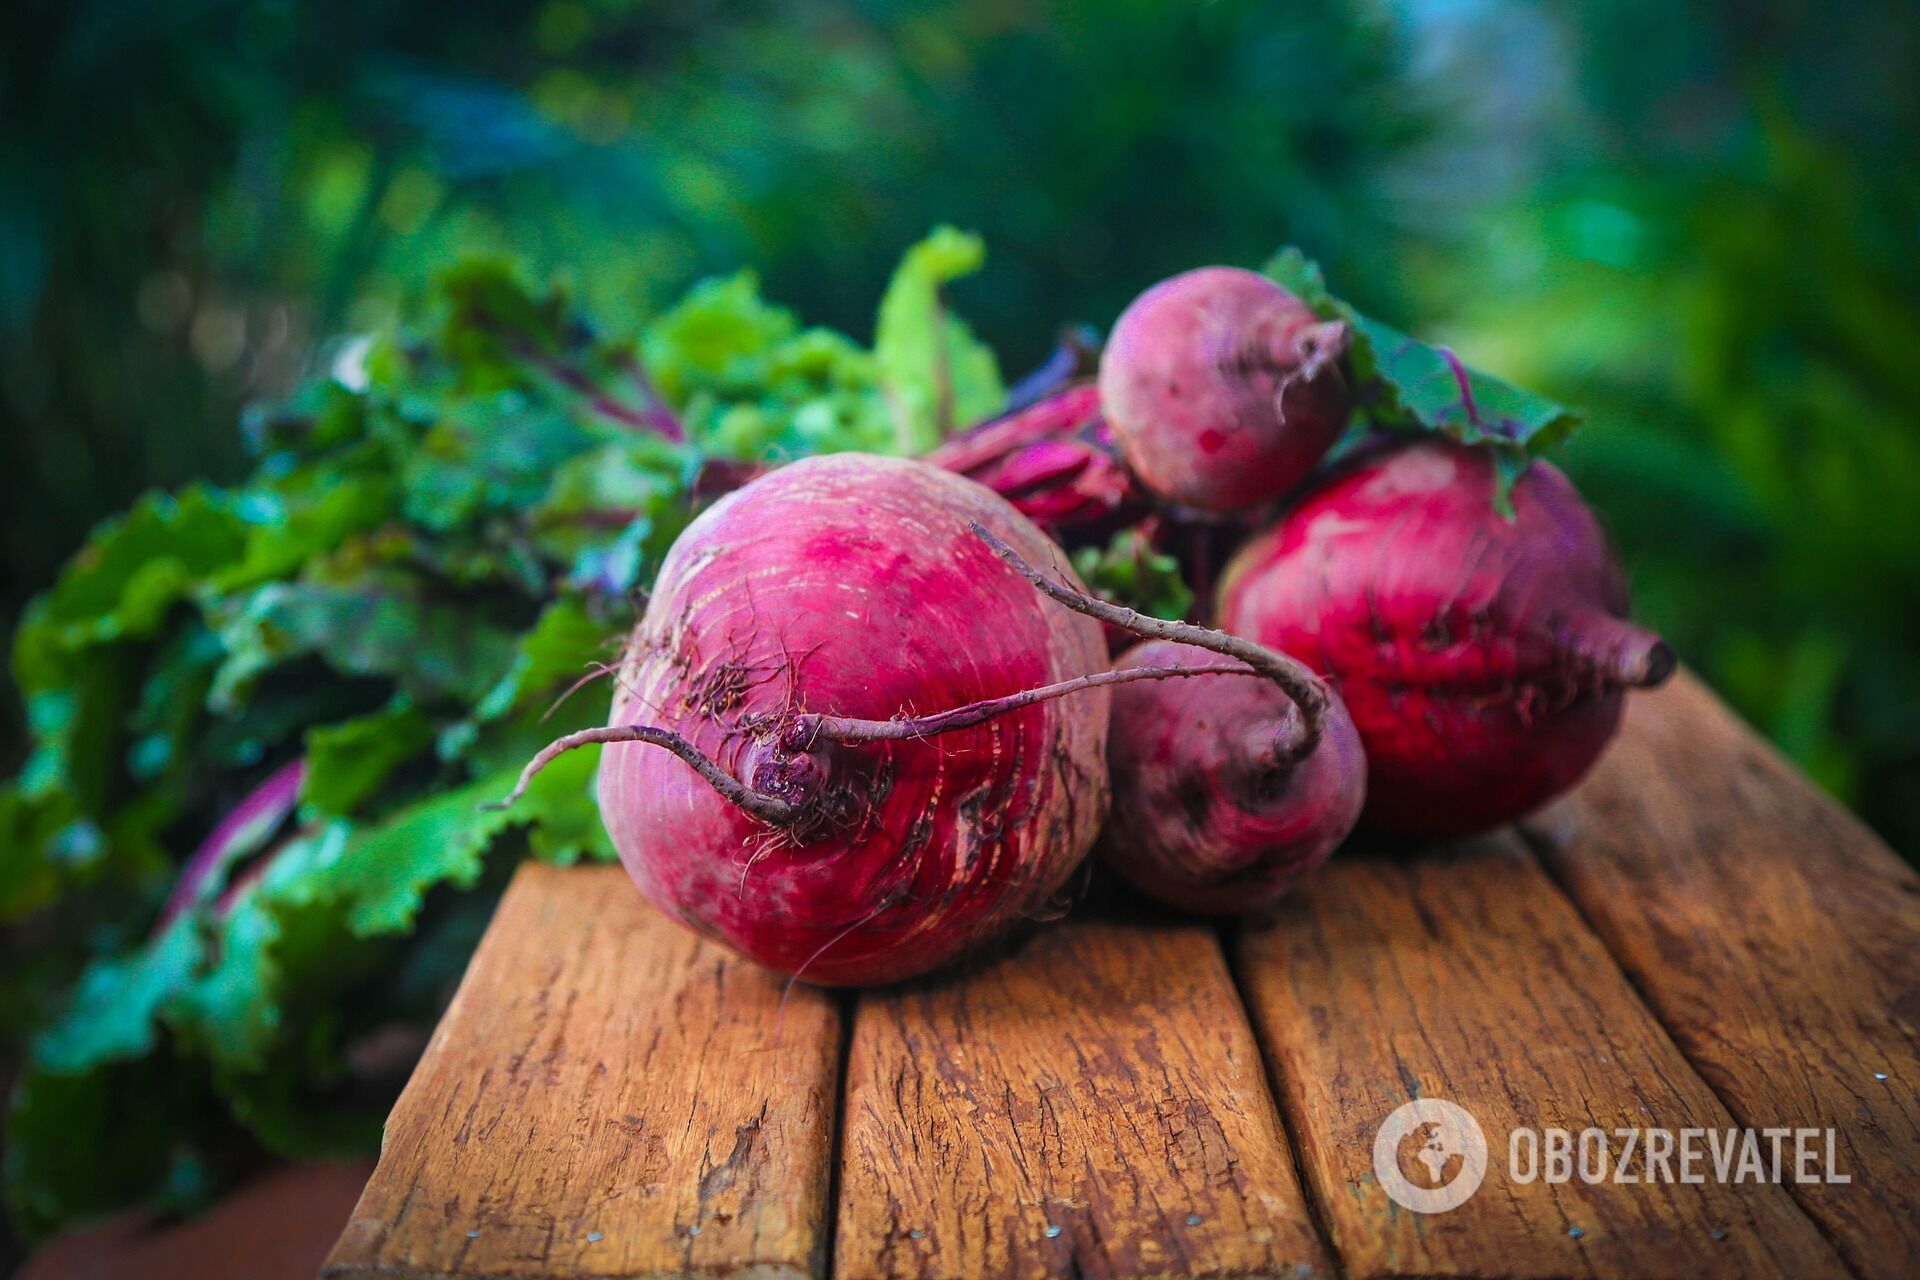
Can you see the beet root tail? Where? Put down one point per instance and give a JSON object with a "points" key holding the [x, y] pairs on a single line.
{"points": [[1305, 689], [1617, 652]]}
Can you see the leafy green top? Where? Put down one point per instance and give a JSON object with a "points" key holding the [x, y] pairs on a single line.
{"points": [[444, 533]]}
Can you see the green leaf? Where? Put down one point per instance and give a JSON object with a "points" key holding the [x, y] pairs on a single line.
{"points": [[121, 585], [1129, 571], [560, 649], [297, 520], [1428, 389], [937, 374], [628, 493], [563, 811], [491, 311], [718, 339], [115, 1011], [377, 627], [427, 554], [496, 454], [348, 761], [1408, 386], [1301, 276], [231, 1008], [384, 871]]}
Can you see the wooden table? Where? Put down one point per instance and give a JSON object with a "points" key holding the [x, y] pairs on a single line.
{"points": [[1694, 939]]}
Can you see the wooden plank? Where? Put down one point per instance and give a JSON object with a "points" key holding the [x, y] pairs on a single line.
{"points": [[1775, 936], [608, 1095], [1093, 1105], [1463, 974]]}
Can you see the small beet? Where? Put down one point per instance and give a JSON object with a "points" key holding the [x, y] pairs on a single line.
{"points": [[1483, 659], [1223, 389], [1215, 810]]}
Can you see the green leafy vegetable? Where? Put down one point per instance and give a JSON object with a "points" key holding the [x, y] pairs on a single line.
{"points": [[938, 374], [443, 536], [347, 762]]}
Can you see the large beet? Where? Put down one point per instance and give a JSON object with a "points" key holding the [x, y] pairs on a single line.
{"points": [[1482, 659], [838, 588], [861, 727]]}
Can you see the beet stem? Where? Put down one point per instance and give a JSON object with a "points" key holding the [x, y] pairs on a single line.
{"points": [[808, 729], [1464, 382], [1619, 652], [769, 809], [1274, 745], [1308, 691], [1319, 345]]}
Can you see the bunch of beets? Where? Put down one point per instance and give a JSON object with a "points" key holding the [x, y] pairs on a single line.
{"points": [[871, 716]]}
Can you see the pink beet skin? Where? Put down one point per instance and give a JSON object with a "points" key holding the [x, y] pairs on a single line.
{"points": [[1223, 389], [1209, 812], [1483, 661], [851, 586]]}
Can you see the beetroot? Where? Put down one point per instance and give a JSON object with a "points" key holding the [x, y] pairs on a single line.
{"points": [[807, 807], [804, 810], [1482, 658], [851, 585], [1223, 389], [1215, 809]]}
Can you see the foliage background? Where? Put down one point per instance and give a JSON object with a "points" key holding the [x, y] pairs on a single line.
{"points": [[1700, 220]]}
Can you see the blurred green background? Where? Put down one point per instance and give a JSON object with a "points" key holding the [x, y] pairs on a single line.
{"points": [[1701, 221]]}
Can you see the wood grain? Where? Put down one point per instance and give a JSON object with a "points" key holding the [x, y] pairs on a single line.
{"points": [[1464, 974], [1774, 935], [607, 1096], [1093, 1105]]}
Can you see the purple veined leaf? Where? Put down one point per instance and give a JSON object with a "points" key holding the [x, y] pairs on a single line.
{"points": [[244, 828], [255, 871], [555, 345], [1411, 387], [652, 416]]}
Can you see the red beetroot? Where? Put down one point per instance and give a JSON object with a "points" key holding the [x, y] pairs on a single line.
{"points": [[803, 809], [1214, 808], [1223, 389], [851, 585], [1482, 659]]}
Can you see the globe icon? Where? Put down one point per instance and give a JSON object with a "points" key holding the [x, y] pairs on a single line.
{"points": [[1427, 1157], [1430, 1155]]}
